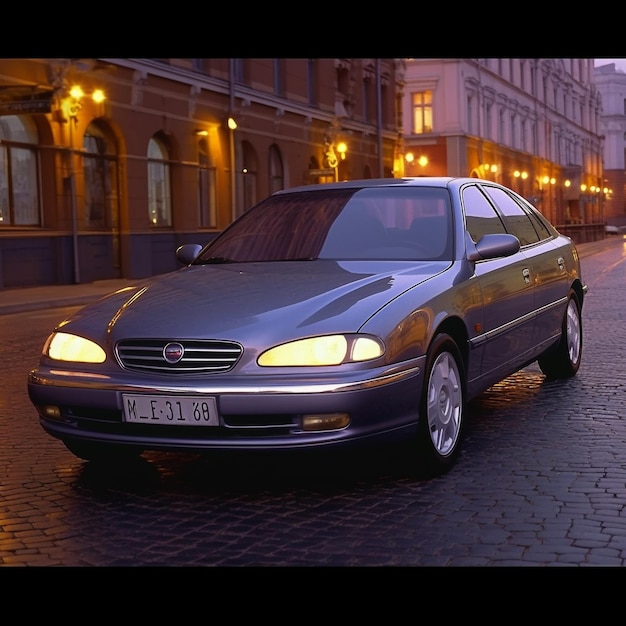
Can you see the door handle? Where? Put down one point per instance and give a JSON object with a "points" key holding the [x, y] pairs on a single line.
{"points": [[561, 263], [526, 275]]}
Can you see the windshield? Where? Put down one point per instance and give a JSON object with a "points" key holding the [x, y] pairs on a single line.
{"points": [[372, 223]]}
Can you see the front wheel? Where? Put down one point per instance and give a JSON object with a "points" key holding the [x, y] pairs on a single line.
{"points": [[442, 407], [563, 360]]}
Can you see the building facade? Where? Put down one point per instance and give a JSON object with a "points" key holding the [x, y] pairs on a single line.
{"points": [[108, 165], [611, 83], [531, 124]]}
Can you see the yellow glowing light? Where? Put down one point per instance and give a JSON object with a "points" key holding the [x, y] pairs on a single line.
{"points": [[76, 92], [330, 350], [66, 347]]}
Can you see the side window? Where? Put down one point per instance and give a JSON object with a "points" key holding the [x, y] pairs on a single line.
{"points": [[539, 221], [517, 221], [480, 217]]}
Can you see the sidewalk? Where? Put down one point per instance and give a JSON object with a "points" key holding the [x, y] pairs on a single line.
{"points": [[52, 296]]}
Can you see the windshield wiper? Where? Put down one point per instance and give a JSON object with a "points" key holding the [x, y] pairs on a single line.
{"points": [[214, 259]]}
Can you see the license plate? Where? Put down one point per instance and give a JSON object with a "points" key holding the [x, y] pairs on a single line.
{"points": [[170, 410]]}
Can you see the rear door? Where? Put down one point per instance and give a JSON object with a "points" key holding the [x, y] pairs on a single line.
{"points": [[545, 261]]}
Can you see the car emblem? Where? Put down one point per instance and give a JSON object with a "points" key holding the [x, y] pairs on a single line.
{"points": [[173, 352]]}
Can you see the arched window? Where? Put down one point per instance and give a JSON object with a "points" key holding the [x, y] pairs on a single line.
{"points": [[277, 176], [19, 190], [159, 195], [206, 187], [101, 196]]}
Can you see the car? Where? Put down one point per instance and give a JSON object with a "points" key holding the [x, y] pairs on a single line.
{"points": [[326, 317]]}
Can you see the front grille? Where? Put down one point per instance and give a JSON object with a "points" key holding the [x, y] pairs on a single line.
{"points": [[148, 355]]}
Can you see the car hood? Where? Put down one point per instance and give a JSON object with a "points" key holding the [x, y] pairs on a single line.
{"points": [[234, 301]]}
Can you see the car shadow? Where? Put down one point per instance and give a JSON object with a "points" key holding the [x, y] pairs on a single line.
{"points": [[215, 474]]}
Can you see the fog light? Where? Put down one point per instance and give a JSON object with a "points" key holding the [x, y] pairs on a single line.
{"points": [[326, 421], [53, 412]]}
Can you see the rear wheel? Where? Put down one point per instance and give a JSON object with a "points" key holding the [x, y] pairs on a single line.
{"points": [[442, 407], [563, 359], [102, 452]]}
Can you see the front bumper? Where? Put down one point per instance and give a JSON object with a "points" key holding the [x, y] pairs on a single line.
{"points": [[260, 413]]}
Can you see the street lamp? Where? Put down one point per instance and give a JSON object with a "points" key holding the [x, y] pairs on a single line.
{"points": [[341, 148], [422, 160], [71, 106]]}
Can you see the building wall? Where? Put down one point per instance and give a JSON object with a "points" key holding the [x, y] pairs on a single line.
{"points": [[504, 118], [297, 108], [611, 83], [543, 121]]}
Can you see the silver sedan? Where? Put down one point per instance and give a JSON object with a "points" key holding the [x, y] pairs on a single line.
{"points": [[326, 316]]}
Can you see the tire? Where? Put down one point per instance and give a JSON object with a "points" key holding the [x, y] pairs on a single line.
{"points": [[563, 359], [442, 408], [102, 452]]}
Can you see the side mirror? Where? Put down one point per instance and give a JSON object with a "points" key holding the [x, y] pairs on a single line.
{"points": [[493, 247], [187, 253]]}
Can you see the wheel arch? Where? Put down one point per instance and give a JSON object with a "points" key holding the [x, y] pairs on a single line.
{"points": [[455, 327], [579, 290]]}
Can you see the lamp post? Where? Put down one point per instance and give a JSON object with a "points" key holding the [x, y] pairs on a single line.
{"points": [[422, 161], [342, 148], [71, 107], [232, 126], [72, 177], [409, 157], [521, 175]]}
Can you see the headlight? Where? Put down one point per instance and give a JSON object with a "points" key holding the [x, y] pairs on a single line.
{"points": [[328, 350], [66, 347]]}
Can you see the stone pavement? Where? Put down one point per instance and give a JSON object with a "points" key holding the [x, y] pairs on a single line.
{"points": [[53, 296]]}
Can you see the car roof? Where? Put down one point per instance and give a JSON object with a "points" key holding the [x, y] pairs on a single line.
{"points": [[419, 181]]}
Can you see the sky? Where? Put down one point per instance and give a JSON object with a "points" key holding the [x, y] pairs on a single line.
{"points": [[620, 64]]}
